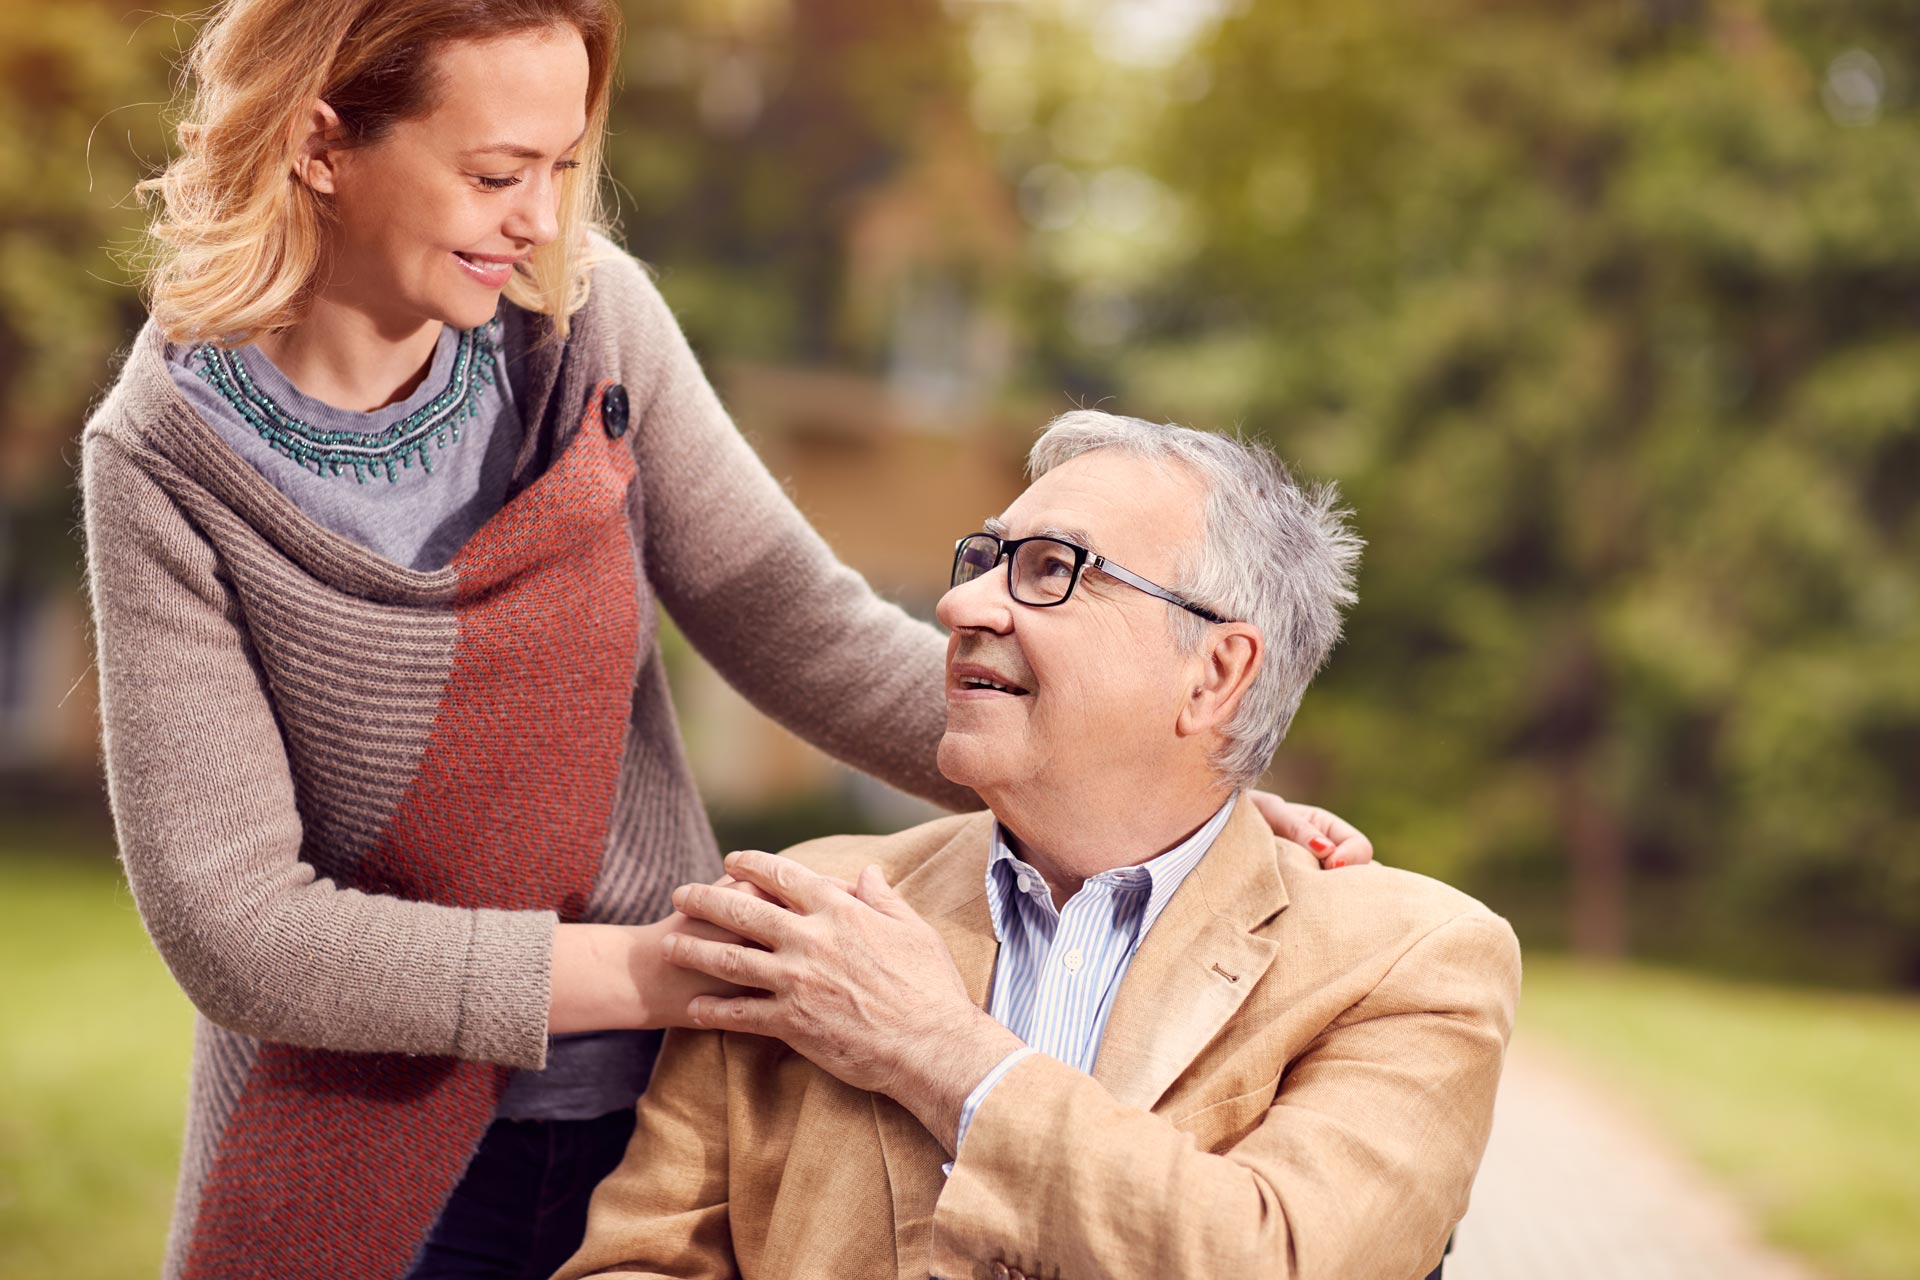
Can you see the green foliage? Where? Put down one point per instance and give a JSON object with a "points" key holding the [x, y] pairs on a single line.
{"points": [[1605, 323], [1601, 312], [79, 119], [82, 118], [742, 140], [94, 1041], [1804, 1103]]}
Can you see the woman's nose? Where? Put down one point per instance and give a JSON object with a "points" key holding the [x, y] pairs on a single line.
{"points": [[536, 217]]}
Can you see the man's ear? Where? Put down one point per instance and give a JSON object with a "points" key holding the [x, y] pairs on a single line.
{"points": [[1226, 664], [316, 136]]}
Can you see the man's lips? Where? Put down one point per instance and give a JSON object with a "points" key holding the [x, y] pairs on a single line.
{"points": [[976, 680]]}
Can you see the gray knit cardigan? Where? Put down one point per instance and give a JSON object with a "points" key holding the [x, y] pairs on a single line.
{"points": [[353, 799]]}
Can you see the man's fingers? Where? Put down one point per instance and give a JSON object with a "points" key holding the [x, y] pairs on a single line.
{"points": [[729, 962], [742, 886], [701, 929], [873, 889], [750, 917], [755, 1015], [785, 879]]}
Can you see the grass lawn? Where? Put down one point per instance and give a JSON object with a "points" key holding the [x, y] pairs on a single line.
{"points": [[94, 1040], [1806, 1104]]}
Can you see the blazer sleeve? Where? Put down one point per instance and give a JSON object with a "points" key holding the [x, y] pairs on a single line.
{"points": [[1360, 1166], [203, 804], [761, 595], [663, 1211]]}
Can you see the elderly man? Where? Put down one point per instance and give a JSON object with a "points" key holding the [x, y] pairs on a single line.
{"points": [[1113, 1027]]}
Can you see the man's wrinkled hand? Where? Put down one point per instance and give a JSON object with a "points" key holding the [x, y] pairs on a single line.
{"points": [[669, 988], [850, 976]]}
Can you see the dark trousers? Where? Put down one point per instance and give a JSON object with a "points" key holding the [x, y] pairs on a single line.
{"points": [[521, 1209]]}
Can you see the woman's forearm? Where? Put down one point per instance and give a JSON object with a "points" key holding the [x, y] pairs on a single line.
{"points": [[601, 976]]}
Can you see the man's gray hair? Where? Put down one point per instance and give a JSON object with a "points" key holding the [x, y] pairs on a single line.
{"points": [[1276, 554]]}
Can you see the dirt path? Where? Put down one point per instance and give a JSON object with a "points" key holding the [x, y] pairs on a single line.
{"points": [[1575, 1187]]}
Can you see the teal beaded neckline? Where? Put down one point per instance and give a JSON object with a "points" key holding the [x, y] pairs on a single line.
{"points": [[396, 447]]}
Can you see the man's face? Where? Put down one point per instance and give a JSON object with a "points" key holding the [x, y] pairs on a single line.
{"points": [[1101, 679]]}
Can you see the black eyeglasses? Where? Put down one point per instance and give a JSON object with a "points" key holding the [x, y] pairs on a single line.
{"points": [[1042, 572]]}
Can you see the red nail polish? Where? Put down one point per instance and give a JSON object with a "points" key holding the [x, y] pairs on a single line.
{"points": [[1319, 845]]}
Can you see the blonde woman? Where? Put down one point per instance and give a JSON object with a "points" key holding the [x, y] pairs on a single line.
{"points": [[378, 513]]}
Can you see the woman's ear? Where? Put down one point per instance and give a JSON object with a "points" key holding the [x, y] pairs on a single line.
{"points": [[316, 136], [1227, 662]]}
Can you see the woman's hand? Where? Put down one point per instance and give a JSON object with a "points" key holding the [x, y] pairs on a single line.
{"points": [[1331, 838], [610, 977], [669, 986]]}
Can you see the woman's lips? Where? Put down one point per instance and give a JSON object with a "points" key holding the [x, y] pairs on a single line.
{"points": [[491, 272]]}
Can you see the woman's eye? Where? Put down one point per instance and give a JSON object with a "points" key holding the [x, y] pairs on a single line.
{"points": [[498, 184], [567, 164]]}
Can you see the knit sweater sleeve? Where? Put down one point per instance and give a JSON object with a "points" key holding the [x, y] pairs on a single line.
{"points": [[759, 593], [203, 801]]}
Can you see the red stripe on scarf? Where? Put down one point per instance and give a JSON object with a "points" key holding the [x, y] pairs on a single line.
{"points": [[337, 1164]]}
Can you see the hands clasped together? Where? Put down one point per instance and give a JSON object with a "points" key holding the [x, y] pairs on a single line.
{"points": [[848, 975], [852, 978]]}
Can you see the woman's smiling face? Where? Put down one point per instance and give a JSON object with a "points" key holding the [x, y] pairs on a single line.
{"points": [[430, 220]]}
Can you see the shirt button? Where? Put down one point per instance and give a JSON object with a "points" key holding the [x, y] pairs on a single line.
{"points": [[1025, 882], [613, 410], [1072, 960]]}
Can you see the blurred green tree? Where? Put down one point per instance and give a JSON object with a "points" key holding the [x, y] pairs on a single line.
{"points": [[1602, 312], [69, 157], [742, 136], [1604, 315], [79, 118]]}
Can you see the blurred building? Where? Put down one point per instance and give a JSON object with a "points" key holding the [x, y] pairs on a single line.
{"points": [[890, 465]]}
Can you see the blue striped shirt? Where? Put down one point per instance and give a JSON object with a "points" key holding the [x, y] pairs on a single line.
{"points": [[1058, 971]]}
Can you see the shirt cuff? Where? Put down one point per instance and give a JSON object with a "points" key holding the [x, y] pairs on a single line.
{"points": [[978, 1096]]}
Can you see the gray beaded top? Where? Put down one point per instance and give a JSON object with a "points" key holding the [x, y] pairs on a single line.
{"points": [[441, 460]]}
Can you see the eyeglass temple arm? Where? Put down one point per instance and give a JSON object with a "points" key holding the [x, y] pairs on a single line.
{"points": [[1113, 570]]}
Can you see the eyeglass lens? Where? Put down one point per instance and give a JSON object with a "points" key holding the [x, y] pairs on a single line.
{"points": [[1042, 568]]}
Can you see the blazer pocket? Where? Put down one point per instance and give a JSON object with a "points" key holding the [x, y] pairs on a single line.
{"points": [[1221, 1125]]}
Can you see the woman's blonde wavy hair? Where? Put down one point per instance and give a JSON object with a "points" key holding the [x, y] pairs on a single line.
{"points": [[236, 240]]}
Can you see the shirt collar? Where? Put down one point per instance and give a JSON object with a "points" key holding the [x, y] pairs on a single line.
{"points": [[1160, 876]]}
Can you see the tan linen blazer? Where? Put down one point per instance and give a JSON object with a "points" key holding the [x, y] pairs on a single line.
{"points": [[1296, 1080]]}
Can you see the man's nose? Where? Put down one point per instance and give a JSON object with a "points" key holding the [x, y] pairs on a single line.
{"points": [[982, 604]]}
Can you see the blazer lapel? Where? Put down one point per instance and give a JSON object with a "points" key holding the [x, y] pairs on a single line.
{"points": [[949, 891], [1196, 965]]}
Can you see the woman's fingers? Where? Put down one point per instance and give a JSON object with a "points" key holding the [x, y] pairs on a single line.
{"points": [[1345, 844], [1330, 838], [1279, 816]]}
